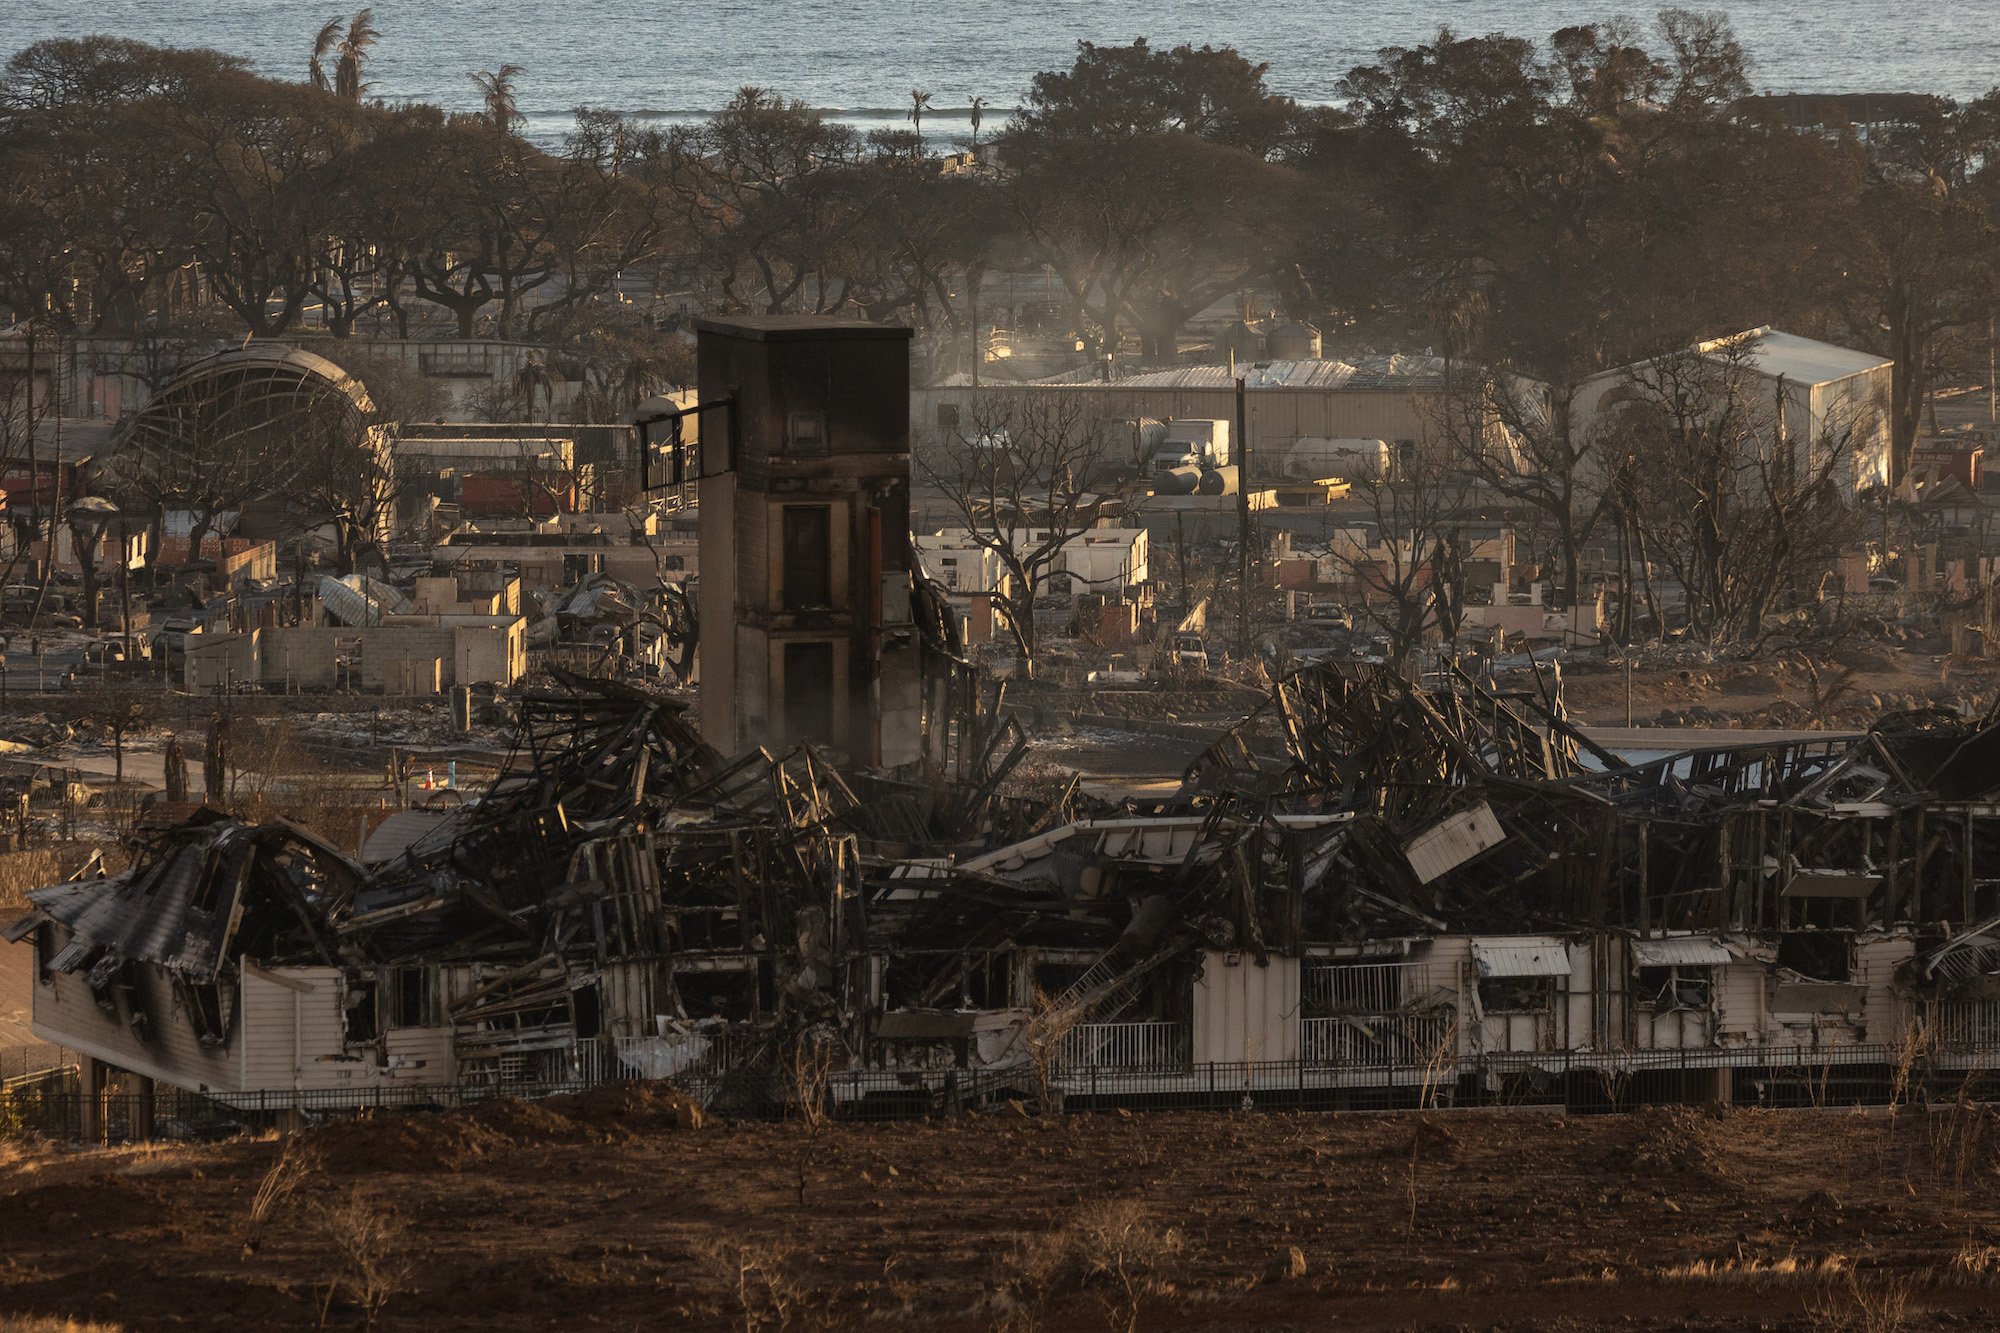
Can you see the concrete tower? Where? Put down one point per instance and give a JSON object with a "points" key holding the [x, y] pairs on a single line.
{"points": [[805, 537]]}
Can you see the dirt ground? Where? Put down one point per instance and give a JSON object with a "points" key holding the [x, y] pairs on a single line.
{"points": [[609, 1211], [1847, 690], [17, 987]]}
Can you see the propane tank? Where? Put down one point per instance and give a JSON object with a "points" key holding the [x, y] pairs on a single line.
{"points": [[1217, 481]]}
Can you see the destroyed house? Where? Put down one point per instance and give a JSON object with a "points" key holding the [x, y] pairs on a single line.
{"points": [[1366, 879]]}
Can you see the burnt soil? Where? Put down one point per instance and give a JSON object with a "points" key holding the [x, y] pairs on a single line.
{"points": [[611, 1211]]}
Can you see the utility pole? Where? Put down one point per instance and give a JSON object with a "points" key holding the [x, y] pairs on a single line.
{"points": [[1180, 554], [34, 460], [978, 344], [125, 589], [56, 471], [1241, 457]]}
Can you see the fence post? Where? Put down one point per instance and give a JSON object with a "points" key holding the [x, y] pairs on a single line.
{"points": [[90, 1118], [143, 1111]]}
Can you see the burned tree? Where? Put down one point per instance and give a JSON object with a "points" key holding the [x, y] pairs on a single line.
{"points": [[1523, 441], [1405, 561], [345, 484], [1022, 478]]}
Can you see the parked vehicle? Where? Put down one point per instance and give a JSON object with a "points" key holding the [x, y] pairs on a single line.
{"points": [[109, 654], [169, 637]]}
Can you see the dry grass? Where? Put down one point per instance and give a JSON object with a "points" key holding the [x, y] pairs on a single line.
{"points": [[1854, 1306], [762, 1281], [44, 1324], [156, 1159], [1112, 1248], [295, 1162], [1790, 1268], [1975, 1266], [1122, 1247], [371, 1246]]}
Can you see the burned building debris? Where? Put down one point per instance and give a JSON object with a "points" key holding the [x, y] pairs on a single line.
{"points": [[1370, 877], [1368, 874]]}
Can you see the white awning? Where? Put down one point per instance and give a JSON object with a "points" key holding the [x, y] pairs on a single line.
{"points": [[1682, 951], [1522, 956]]}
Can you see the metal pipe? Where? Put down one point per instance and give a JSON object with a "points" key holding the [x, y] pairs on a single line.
{"points": [[1243, 524]]}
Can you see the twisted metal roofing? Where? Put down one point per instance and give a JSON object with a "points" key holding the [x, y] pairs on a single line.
{"points": [[239, 413], [1395, 371]]}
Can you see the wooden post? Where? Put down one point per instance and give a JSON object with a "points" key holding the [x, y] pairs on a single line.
{"points": [[1645, 885], [143, 1111], [1891, 898], [1240, 455], [91, 1085], [1920, 850], [1970, 894]]}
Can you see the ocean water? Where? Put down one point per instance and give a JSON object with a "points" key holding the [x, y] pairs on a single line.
{"points": [[674, 59]]}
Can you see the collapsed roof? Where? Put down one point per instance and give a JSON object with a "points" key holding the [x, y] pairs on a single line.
{"points": [[1354, 806]]}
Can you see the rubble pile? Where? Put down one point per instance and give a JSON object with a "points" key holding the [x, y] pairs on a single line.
{"points": [[1419, 859], [1551, 831]]}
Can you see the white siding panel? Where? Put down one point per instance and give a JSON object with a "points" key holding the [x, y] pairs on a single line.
{"points": [[1246, 1012], [65, 1012], [420, 1055], [1739, 992], [1885, 1018]]}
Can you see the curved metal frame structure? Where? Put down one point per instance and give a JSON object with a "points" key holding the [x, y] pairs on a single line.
{"points": [[226, 418]]}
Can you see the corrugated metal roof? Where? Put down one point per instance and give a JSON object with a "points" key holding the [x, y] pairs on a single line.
{"points": [[1682, 951], [1395, 371], [1801, 360], [407, 831], [1522, 956]]}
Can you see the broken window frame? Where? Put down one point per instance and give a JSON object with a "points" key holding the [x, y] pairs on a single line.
{"points": [[1685, 986], [1503, 995], [360, 1010], [412, 999]]}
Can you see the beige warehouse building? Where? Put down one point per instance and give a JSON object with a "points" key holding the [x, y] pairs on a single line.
{"points": [[1394, 398]]}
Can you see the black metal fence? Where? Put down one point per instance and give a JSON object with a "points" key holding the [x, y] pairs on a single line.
{"points": [[1792, 1077]]}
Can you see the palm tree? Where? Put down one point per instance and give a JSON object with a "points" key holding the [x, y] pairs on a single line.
{"points": [[978, 114], [361, 35], [919, 102], [329, 37], [497, 88], [639, 380], [534, 380]]}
